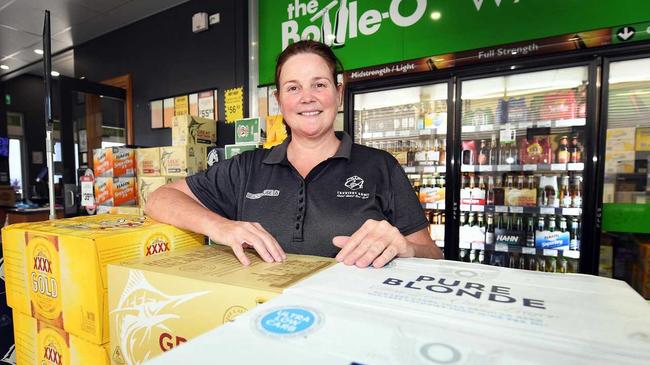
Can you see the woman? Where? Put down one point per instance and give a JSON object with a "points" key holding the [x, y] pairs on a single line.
{"points": [[317, 193]]}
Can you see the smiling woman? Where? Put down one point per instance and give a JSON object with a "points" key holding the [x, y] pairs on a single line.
{"points": [[317, 193]]}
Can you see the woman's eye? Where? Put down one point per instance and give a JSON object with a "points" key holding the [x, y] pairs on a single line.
{"points": [[321, 85], [292, 88]]}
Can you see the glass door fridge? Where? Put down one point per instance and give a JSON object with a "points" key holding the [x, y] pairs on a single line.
{"points": [[410, 123], [625, 198], [522, 168]]}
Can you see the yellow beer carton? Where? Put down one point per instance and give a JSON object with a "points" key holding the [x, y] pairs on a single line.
{"points": [[157, 303], [642, 139], [103, 209], [148, 161], [40, 343], [56, 270], [147, 185], [180, 160], [187, 129], [114, 161]]}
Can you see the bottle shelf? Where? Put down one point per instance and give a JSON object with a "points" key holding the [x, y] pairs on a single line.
{"points": [[424, 169], [521, 210], [561, 123], [555, 167], [573, 254], [403, 134], [435, 206]]}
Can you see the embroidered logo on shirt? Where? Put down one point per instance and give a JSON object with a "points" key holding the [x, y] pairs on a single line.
{"points": [[267, 192], [353, 183]]}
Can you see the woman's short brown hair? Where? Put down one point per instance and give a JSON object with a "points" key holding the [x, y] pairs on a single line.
{"points": [[308, 46]]}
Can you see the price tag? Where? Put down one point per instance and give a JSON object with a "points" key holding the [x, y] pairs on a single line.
{"points": [[575, 166], [442, 169], [430, 206], [571, 211], [530, 167], [441, 206], [468, 129], [462, 244], [571, 254], [501, 209], [377, 134], [544, 124], [424, 132], [87, 191], [478, 246], [546, 210], [570, 122], [528, 250], [409, 169], [234, 104], [467, 168], [484, 168], [504, 168], [558, 167], [403, 133], [525, 125], [501, 247], [390, 133], [486, 128], [429, 169], [507, 135], [549, 252], [465, 207], [516, 209], [478, 208]]}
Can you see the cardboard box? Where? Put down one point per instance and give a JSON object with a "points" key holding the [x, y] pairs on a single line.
{"points": [[56, 270], [115, 191], [418, 311], [147, 185], [619, 162], [620, 139], [235, 149], [41, 343], [7, 196], [642, 139], [247, 130], [157, 303], [187, 129], [181, 160], [103, 209], [148, 161], [114, 161]]}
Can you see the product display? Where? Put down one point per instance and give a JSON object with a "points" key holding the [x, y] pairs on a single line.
{"points": [[114, 162], [56, 270], [157, 303], [235, 149], [148, 161], [115, 191], [247, 131], [182, 160], [190, 130], [147, 185]]}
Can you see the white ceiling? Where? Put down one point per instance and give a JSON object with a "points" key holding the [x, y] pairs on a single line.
{"points": [[72, 22]]}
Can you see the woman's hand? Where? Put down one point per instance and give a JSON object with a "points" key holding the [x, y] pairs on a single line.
{"points": [[376, 243], [239, 235]]}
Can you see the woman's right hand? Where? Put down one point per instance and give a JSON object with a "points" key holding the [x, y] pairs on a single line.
{"points": [[239, 235]]}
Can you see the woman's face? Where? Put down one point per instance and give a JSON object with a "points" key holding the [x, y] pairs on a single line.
{"points": [[308, 96]]}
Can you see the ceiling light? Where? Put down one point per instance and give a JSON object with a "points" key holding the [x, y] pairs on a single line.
{"points": [[54, 73], [436, 15], [38, 51], [4, 67]]}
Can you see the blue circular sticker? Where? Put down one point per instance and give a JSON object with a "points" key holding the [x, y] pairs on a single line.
{"points": [[288, 321]]}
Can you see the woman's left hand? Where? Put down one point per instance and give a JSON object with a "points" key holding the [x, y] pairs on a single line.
{"points": [[376, 243]]}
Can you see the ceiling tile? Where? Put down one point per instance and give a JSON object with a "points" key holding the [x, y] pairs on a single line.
{"points": [[12, 40], [29, 15], [101, 6]]}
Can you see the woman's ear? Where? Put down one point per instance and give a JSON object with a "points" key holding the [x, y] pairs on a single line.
{"points": [[276, 95], [340, 89]]}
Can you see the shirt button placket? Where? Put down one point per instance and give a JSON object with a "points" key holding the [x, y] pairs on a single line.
{"points": [[300, 212]]}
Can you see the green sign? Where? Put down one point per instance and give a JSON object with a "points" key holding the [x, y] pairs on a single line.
{"points": [[631, 33], [373, 32], [7, 99]]}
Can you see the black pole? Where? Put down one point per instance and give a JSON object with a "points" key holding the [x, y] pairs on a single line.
{"points": [[47, 77]]}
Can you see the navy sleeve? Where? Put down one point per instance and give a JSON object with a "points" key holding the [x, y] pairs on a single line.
{"points": [[217, 188], [407, 213]]}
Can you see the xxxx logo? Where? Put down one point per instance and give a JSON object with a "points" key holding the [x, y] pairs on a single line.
{"points": [[157, 245], [42, 264], [53, 356]]}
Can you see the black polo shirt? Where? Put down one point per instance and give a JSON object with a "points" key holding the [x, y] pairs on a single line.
{"points": [[356, 184]]}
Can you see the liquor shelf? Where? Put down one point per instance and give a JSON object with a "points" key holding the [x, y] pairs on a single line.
{"points": [[528, 167], [520, 210], [561, 123], [435, 206], [424, 169], [403, 133], [573, 254]]}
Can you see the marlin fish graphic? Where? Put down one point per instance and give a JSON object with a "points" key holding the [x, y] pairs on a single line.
{"points": [[140, 309]]}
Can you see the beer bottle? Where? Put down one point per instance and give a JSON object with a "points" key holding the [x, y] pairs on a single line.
{"points": [[541, 264], [565, 195], [481, 257], [463, 219], [532, 264], [530, 232], [522, 262], [576, 151], [531, 182], [499, 196], [490, 191], [563, 265], [510, 182], [483, 154], [472, 182], [472, 220], [551, 223], [552, 265], [435, 156], [509, 219], [499, 223], [563, 227], [563, 150], [489, 231], [493, 153], [541, 224], [463, 254], [576, 198], [442, 157], [512, 260], [481, 222], [574, 234], [520, 182], [519, 225], [410, 154]]}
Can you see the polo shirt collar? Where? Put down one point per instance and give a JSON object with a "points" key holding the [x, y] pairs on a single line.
{"points": [[278, 154]]}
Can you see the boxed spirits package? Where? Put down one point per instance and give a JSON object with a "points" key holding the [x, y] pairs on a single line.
{"points": [[114, 161], [56, 270], [40, 343], [418, 311], [187, 129], [182, 160], [148, 161], [235, 149], [157, 303], [247, 130], [115, 191]]}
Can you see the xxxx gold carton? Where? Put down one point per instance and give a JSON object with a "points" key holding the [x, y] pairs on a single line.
{"points": [[187, 129], [115, 191], [114, 161], [56, 270], [157, 303], [181, 160], [147, 185], [103, 209], [40, 343], [148, 161]]}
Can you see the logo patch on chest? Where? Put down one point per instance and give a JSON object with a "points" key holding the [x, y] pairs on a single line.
{"points": [[353, 183], [267, 192]]}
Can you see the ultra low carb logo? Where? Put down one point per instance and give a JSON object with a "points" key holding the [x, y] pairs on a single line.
{"points": [[345, 23]]}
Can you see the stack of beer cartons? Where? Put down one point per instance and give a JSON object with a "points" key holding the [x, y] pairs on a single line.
{"points": [[115, 184], [7, 352], [157, 303], [149, 173], [247, 137], [57, 282]]}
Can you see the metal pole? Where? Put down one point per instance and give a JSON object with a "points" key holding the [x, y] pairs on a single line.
{"points": [[47, 76]]}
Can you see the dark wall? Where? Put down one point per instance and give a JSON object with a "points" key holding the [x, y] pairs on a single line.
{"points": [[165, 59], [4, 161], [27, 98]]}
